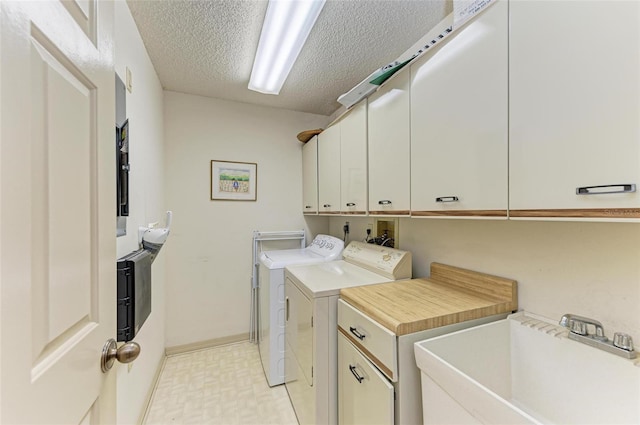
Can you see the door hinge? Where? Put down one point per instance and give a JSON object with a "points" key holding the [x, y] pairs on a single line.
{"points": [[311, 321], [312, 373], [394, 396]]}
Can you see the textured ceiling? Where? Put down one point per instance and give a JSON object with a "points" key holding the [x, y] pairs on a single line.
{"points": [[207, 47]]}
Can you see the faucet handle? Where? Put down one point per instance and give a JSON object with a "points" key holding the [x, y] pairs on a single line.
{"points": [[578, 325], [623, 341]]}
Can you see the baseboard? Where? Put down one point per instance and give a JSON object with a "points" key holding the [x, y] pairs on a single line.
{"points": [[156, 379], [210, 343]]}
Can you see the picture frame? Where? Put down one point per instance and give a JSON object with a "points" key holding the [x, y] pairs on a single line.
{"points": [[233, 181]]}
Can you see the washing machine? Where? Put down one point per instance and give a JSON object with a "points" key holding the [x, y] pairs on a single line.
{"points": [[271, 340], [311, 321]]}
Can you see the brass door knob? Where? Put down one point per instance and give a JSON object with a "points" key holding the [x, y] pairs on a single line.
{"points": [[127, 353]]}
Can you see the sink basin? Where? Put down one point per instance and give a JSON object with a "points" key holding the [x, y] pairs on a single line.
{"points": [[523, 370]]}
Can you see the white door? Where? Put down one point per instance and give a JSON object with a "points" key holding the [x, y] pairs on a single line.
{"points": [[57, 211]]}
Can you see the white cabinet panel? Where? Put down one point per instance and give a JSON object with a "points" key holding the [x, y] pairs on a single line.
{"points": [[371, 337], [459, 122], [329, 171], [364, 395], [310, 176], [574, 94], [388, 133], [353, 160]]}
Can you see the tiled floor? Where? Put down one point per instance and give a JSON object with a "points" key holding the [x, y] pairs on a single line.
{"points": [[221, 385]]}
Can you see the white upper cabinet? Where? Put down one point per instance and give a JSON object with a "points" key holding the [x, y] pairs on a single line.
{"points": [[310, 176], [388, 134], [574, 90], [459, 125], [353, 160], [329, 171]]}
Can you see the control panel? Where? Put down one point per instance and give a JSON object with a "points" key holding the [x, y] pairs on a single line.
{"points": [[326, 246]]}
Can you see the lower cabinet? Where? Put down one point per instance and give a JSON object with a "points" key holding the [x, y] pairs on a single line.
{"points": [[365, 396]]}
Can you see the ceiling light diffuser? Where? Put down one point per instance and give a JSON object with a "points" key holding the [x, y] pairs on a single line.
{"points": [[286, 26]]}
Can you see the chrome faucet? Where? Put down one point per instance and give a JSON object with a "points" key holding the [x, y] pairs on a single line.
{"points": [[578, 326]]}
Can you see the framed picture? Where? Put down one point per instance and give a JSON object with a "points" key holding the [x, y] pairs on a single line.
{"points": [[233, 181]]}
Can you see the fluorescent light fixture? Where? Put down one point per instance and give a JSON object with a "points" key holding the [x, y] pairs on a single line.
{"points": [[286, 27]]}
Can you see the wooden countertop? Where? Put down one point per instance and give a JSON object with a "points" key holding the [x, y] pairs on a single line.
{"points": [[450, 295]]}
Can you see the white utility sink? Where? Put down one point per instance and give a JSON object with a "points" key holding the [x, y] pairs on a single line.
{"points": [[524, 370]]}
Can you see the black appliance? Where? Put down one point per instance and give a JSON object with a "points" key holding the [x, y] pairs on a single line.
{"points": [[134, 293]]}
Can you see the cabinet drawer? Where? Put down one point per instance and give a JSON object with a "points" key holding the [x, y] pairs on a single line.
{"points": [[374, 340]]}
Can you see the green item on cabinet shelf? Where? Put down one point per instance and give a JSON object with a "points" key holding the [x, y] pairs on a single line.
{"points": [[386, 75]]}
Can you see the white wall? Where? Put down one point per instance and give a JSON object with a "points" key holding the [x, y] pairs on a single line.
{"points": [[144, 110], [209, 261], [590, 269]]}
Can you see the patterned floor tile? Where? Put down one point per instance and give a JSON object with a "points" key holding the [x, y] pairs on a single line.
{"points": [[219, 386]]}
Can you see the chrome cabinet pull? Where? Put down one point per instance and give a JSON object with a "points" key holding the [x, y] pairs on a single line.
{"points": [[602, 190], [384, 202], [356, 333], [351, 204], [327, 205], [355, 374], [308, 206], [447, 199]]}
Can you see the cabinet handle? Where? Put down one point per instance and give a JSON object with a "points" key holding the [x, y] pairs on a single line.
{"points": [[286, 308], [384, 202], [447, 199], [355, 374], [351, 204], [613, 188], [308, 206], [327, 205], [356, 333]]}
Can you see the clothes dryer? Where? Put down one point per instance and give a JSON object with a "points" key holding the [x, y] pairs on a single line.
{"points": [[311, 298], [271, 340]]}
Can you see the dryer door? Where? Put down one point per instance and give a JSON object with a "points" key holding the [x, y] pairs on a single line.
{"points": [[299, 330]]}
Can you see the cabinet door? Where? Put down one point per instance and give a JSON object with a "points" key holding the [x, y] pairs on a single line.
{"points": [[310, 176], [388, 133], [459, 122], [364, 394], [329, 170], [353, 160], [574, 109]]}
